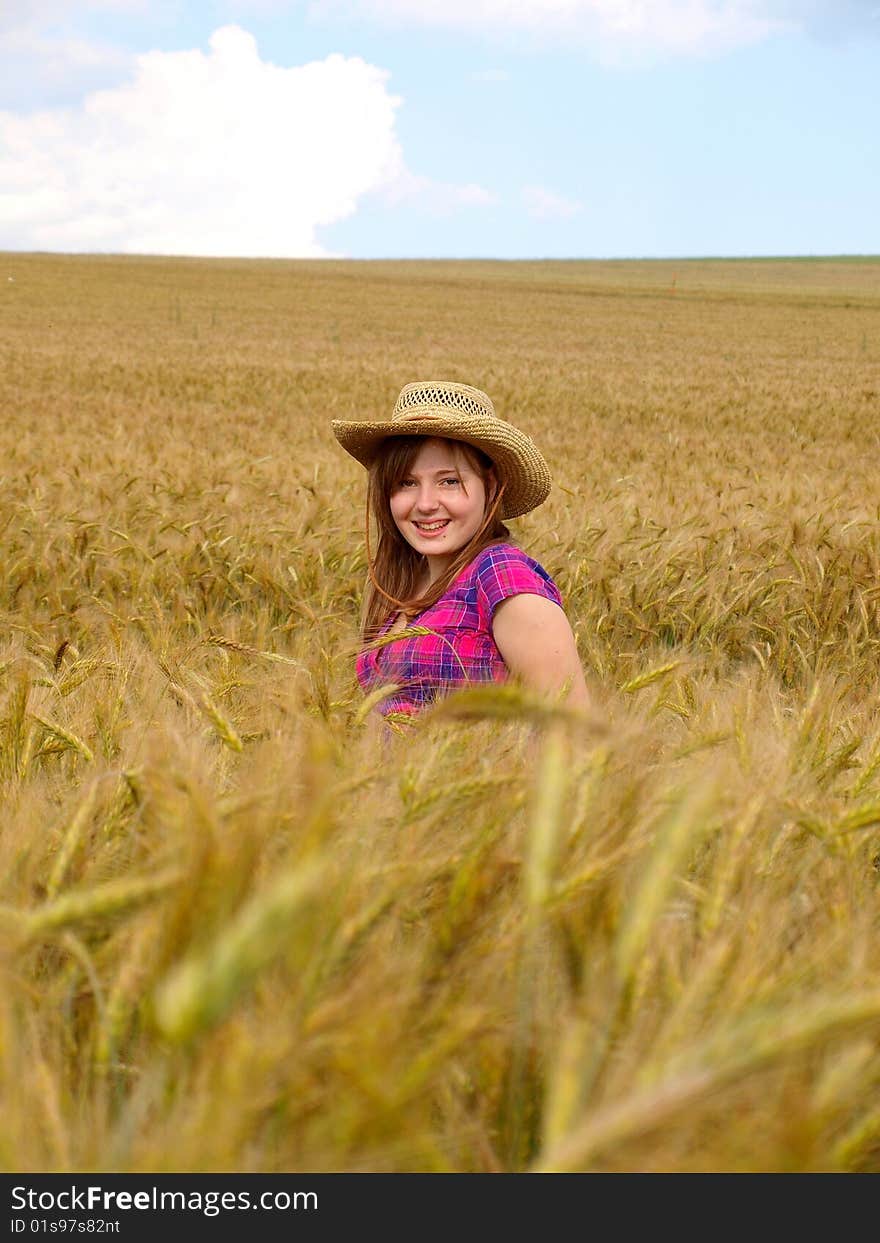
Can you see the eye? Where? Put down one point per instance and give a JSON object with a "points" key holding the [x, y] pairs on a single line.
{"points": [[452, 479], [406, 483]]}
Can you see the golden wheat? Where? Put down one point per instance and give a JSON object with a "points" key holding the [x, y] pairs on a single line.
{"points": [[244, 927]]}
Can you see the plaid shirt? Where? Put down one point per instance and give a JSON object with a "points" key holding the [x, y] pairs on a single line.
{"points": [[460, 648]]}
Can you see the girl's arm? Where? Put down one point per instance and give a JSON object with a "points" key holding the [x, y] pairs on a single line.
{"points": [[536, 643]]}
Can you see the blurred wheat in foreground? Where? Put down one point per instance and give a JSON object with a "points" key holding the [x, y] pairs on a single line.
{"points": [[240, 932]]}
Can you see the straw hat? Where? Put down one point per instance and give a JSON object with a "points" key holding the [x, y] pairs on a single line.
{"points": [[457, 412]]}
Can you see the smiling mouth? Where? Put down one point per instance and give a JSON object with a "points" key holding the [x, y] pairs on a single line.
{"points": [[432, 526]]}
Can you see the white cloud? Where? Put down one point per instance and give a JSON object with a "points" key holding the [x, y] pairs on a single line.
{"points": [[672, 26], [202, 154], [545, 205], [436, 198]]}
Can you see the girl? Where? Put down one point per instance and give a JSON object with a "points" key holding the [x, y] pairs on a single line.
{"points": [[444, 472]]}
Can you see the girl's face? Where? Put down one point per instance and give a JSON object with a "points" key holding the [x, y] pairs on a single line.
{"points": [[439, 504]]}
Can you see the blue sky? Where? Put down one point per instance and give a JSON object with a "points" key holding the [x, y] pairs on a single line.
{"points": [[441, 128]]}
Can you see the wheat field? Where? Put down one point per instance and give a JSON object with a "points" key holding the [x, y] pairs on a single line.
{"points": [[242, 931]]}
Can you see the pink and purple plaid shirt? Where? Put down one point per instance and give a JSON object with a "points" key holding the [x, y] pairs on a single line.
{"points": [[460, 649]]}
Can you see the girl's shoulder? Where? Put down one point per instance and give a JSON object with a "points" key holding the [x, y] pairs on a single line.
{"points": [[504, 570], [502, 555]]}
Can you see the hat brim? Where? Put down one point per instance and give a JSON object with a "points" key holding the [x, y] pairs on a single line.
{"points": [[525, 473]]}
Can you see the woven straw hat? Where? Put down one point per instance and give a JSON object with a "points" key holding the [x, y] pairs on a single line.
{"points": [[457, 412]]}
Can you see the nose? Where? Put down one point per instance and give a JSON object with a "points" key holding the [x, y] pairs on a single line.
{"points": [[426, 500]]}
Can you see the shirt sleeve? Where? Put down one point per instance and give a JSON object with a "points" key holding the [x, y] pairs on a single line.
{"points": [[506, 571]]}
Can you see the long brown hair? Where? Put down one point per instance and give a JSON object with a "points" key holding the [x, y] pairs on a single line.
{"points": [[393, 573]]}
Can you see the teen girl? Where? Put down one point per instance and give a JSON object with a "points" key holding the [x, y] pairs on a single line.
{"points": [[444, 472]]}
